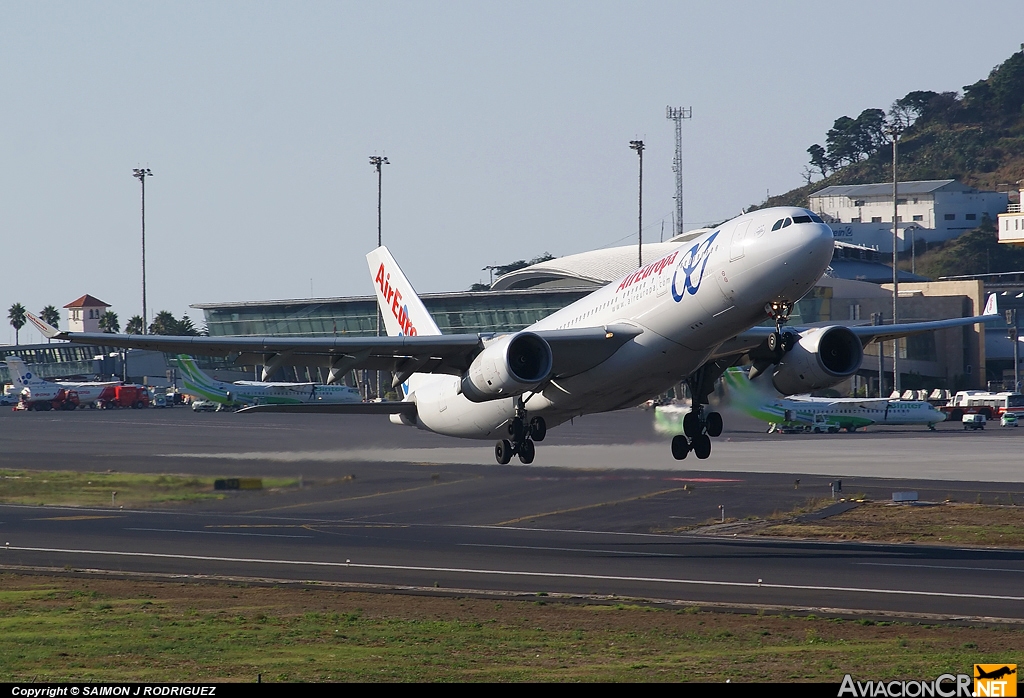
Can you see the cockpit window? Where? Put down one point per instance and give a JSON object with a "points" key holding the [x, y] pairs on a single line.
{"points": [[816, 219], [778, 224], [801, 219], [788, 222]]}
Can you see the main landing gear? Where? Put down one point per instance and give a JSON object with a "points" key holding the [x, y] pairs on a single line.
{"points": [[699, 427], [523, 432], [699, 424]]}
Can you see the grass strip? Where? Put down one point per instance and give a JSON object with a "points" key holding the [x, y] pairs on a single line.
{"points": [[68, 488], [70, 629]]}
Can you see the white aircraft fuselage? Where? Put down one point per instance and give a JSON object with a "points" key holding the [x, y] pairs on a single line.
{"points": [[688, 302]]}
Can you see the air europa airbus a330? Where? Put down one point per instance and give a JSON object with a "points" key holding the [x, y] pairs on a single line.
{"points": [[686, 317]]}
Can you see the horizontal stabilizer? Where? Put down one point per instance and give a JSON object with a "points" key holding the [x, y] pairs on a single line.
{"points": [[406, 408]]}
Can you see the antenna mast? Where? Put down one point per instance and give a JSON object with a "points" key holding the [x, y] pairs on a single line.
{"points": [[677, 114]]}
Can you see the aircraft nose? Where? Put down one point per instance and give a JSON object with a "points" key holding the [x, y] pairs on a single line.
{"points": [[810, 247]]}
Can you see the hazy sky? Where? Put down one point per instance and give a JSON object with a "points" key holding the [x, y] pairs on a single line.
{"points": [[507, 125]]}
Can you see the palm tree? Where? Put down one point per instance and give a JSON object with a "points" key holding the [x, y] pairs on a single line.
{"points": [[50, 315], [109, 323], [164, 323], [16, 314], [135, 325]]}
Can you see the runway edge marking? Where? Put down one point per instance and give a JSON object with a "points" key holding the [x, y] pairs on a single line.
{"points": [[520, 573]]}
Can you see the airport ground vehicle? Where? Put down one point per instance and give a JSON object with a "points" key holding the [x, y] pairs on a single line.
{"points": [[991, 405], [1008, 419], [134, 396], [62, 400], [204, 406], [974, 421]]}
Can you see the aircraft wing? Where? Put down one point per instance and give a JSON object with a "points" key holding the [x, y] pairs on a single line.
{"points": [[883, 333], [752, 338], [408, 408], [573, 350]]}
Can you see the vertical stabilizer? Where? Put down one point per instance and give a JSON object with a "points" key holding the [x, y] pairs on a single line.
{"points": [[403, 311], [198, 384], [21, 376], [992, 306]]}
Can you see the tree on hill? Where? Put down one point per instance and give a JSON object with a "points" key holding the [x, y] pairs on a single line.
{"points": [[976, 137], [977, 251]]}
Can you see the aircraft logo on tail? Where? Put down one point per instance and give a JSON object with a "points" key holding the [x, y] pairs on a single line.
{"points": [[20, 373]]}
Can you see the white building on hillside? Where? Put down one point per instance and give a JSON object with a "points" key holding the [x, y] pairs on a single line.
{"points": [[931, 210]]}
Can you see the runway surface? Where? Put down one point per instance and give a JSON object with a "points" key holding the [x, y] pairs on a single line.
{"points": [[597, 514]]}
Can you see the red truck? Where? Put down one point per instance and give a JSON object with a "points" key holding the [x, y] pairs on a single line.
{"points": [[134, 396]]}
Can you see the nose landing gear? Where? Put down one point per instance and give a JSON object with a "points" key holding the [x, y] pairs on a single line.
{"points": [[522, 437]]}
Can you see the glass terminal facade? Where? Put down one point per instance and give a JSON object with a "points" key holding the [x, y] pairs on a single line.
{"points": [[463, 312]]}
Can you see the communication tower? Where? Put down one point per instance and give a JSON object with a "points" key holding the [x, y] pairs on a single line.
{"points": [[677, 114]]}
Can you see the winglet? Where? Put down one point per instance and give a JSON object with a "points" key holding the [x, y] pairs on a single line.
{"points": [[48, 331], [991, 307]]}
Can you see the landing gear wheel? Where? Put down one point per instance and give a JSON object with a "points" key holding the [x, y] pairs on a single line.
{"points": [[503, 452], [538, 429], [680, 447], [714, 424], [774, 340], [516, 429], [788, 341], [526, 452], [691, 424], [702, 446]]}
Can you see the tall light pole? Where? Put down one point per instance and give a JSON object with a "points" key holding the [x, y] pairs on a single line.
{"points": [[141, 174], [894, 129], [638, 146], [377, 161], [1013, 332]]}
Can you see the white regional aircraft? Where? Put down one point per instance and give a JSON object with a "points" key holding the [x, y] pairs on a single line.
{"points": [[40, 393], [687, 316]]}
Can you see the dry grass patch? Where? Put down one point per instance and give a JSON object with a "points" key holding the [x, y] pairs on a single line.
{"points": [[942, 524]]}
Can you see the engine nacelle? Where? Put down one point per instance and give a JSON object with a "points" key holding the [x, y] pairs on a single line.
{"points": [[508, 366], [822, 357]]}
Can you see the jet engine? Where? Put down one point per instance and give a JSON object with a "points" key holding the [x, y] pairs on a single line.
{"points": [[508, 366], [822, 357]]}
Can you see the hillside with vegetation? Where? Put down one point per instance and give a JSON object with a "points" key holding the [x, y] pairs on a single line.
{"points": [[976, 137]]}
